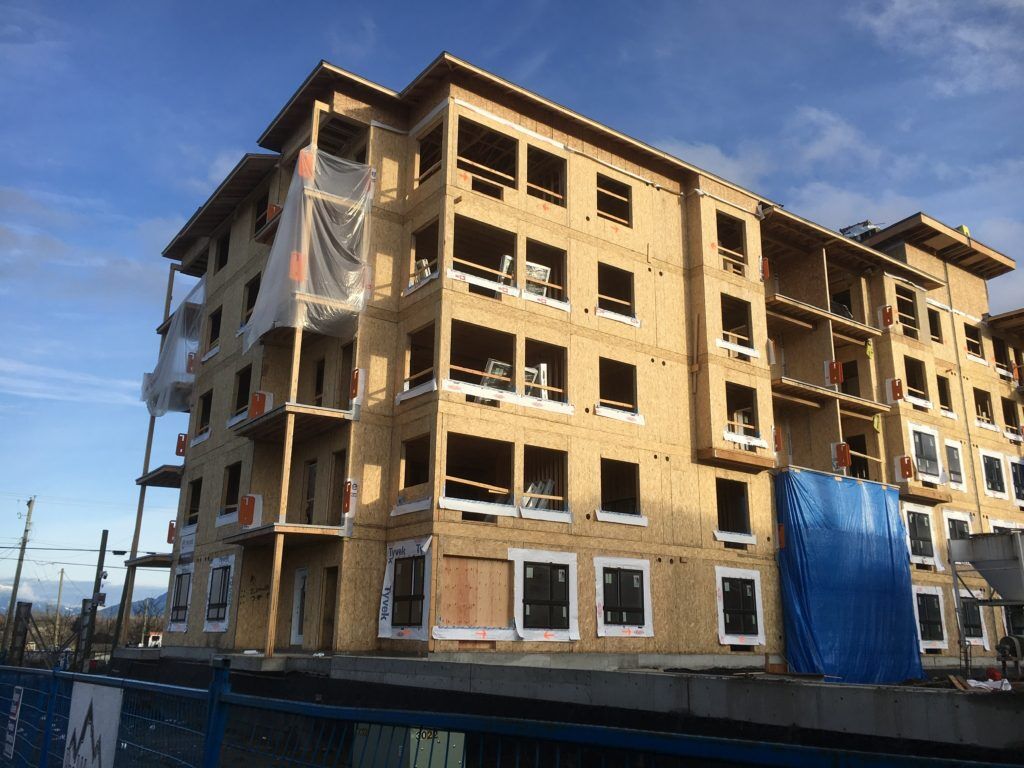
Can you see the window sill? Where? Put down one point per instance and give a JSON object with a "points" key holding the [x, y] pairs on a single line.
{"points": [[408, 507], [547, 302], [550, 515], [948, 414], [985, 425], [478, 390], [1013, 437], [619, 415], [981, 361], [215, 626], [737, 348], [482, 282], [202, 437], [617, 317], [1004, 373], [474, 633], [735, 538], [229, 519], [419, 389], [186, 530], [177, 626], [922, 560], [997, 495], [734, 437], [621, 518], [479, 507], [920, 402], [419, 284], [548, 635], [211, 352], [238, 418], [933, 645], [554, 406]]}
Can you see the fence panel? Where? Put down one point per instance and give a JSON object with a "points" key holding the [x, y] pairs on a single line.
{"points": [[164, 731]]}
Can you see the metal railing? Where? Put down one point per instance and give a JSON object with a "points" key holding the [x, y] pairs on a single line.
{"points": [[165, 725]]}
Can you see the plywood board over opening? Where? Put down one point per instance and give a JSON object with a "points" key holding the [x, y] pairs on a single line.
{"points": [[475, 592]]}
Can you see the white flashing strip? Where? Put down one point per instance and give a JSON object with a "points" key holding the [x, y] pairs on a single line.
{"points": [[936, 303], [722, 572], [550, 515], [408, 507], [623, 630], [442, 105], [737, 348], [406, 548], [1003, 372], [210, 353], [521, 556], [228, 519], [952, 310], [918, 401], [983, 640], [547, 302], [238, 418], [479, 507], [623, 518], [985, 425], [942, 644], [509, 124], [948, 414], [905, 281], [478, 390], [482, 282], [474, 633], [386, 127], [420, 283], [975, 359], [182, 626], [419, 389], [619, 415], [735, 538], [618, 317], [220, 562], [701, 193], [202, 437], [735, 437], [553, 406], [1012, 524], [1013, 437]]}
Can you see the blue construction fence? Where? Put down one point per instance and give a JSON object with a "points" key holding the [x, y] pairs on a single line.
{"points": [[56, 716]]}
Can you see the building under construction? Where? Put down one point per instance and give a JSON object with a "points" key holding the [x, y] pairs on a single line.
{"points": [[468, 372]]}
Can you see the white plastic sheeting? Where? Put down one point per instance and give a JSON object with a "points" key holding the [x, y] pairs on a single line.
{"points": [[169, 386], [316, 277]]}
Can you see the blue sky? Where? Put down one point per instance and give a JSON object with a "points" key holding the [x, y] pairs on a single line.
{"points": [[119, 119]]}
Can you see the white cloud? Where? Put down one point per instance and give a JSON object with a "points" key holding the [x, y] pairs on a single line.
{"points": [[39, 382], [818, 137], [748, 166], [352, 43], [969, 48]]}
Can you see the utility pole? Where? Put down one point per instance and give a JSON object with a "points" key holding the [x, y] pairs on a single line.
{"points": [[9, 624], [56, 620], [90, 628]]}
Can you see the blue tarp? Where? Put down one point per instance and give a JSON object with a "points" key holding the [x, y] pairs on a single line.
{"points": [[845, 574]]}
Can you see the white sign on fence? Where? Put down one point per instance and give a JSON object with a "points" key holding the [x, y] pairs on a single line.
{"points": [[12, 722], [92, 726]]}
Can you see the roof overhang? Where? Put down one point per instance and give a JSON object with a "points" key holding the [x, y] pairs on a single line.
{"points": [[951, 245], [1008, 322], [781, 226], [242, 179]]}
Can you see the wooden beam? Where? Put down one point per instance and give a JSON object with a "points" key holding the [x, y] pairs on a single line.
{"points": [[275, 596], [793, 399]]}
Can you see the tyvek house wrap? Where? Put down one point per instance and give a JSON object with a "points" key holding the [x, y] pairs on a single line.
{"points": [[316, 276], [169, 386]]}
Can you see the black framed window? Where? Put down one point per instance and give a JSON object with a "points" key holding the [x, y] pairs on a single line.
{"points": [[1017, 472], [955, 468], [929, 616], [971, 618], [958, 529], [733, 514], [994, 480], [217, 603], [919, 525], [623, 596], [926, 453], [1013, 615], [739, 606], [545, 596], [179, 604], [195, 494], [408, 592]]}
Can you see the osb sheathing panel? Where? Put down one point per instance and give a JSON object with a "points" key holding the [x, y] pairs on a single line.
{"points": [[706, 222], [802, 277]]}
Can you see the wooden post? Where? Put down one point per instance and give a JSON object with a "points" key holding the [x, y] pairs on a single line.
{"points": [[275, 596]]}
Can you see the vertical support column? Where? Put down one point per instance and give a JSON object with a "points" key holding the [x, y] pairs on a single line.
{"points": [[216, 713], [275, 596]]}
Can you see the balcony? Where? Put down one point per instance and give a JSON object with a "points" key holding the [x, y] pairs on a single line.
{"points": [[813, 396], [295, 534], [164, 476], [800, 314], [309, 420]]}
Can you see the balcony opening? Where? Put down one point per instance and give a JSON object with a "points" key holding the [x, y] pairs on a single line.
{"points": [[232, 486], [343, 139], [1001, 353], [416, 461], [1011, 416], [420, 350], [732, 243], [544, 374], [309, 472], [615, 290], [425, 243], [842, 303], [339, 477], [318, 381], [480, 470], [243, 383], [489, 157], [945, 397], [249, 295], [545, 176], [617, 385], [223, 250], [858, 457], [620, 487], [486, 253], [851, 379], [917, 381], [935, 325], [736, 326], [545, 473], [195, 496], [430, 154], [482, 356], [983, 406], [906, 310], [972, 335], [614, 201], [205, 410], [545, 271], [733, 509], [741, 413]]}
